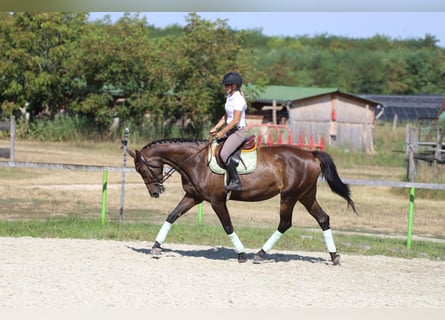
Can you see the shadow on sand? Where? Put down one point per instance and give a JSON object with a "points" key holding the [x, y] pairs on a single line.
{"points": [[222, 253]]}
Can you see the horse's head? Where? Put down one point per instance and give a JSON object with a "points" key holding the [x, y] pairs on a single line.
{"points": [[151, 171]]}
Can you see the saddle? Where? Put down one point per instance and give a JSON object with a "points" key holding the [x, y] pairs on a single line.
{"points": [[245, 154]]}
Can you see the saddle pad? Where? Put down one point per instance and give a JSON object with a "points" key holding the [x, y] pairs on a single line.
{"points": [[249, 158]]}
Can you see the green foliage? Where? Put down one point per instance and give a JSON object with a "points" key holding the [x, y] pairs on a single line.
{"points": [[35, 50], [97, 107], [130, 70], [61, 128], [374, 65]]}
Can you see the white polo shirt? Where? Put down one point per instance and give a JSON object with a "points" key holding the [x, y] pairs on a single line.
{"points": [[236, 102]]}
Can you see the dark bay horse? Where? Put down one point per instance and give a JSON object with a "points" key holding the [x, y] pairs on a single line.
{"points": [[281, 169]]}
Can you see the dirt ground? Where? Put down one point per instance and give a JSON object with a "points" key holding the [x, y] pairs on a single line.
{"points": [[68, 273]]}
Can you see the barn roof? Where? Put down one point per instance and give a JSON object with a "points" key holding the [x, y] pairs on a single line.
{"points": [[282, 94], [409, 107]]}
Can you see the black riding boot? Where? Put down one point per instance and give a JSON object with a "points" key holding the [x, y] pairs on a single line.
{"points": [[234, 181]]}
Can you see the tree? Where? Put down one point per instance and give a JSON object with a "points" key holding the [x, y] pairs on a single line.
{"points": [[194, 63], [112, 62], [34, 59]]}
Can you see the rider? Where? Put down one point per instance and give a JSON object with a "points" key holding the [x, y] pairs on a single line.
{"points": [[235, 129]]}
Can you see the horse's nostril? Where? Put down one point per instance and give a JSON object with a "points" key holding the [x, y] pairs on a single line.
{"points": [[155, 195]]}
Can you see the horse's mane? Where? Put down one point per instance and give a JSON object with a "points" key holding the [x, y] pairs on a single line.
{"points": [[174, 140]]}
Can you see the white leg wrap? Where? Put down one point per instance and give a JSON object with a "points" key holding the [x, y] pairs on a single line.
{"points": [[272, 240], [162, 234], [329, 240], [236, 242]]}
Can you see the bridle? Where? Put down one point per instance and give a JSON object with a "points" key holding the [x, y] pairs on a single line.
{"points": [[156, 181], [160, 181]]}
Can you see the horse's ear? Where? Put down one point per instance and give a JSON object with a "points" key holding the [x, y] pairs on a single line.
{"points": [[131, 153]]}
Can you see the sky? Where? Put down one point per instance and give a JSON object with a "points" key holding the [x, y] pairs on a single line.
{"points": [[395, 25]]}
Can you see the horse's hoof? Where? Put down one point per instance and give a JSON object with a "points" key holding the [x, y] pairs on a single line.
{"points": [[242, 257], [156, 252], [259, 257], [335, 259]]}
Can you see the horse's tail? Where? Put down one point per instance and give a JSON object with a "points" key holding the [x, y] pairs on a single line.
{"points": [[329, 172]]}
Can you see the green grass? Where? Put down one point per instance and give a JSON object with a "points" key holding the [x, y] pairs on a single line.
{"points": [[296, 239]]}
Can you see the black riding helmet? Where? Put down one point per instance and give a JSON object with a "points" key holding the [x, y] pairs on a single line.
{"points": [[232, 78]]}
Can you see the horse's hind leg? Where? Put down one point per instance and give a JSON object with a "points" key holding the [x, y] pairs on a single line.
{"points": [[286, 208], [322, 218]]}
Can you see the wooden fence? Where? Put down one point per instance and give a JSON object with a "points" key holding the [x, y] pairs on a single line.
{"points": [[416, 149]]}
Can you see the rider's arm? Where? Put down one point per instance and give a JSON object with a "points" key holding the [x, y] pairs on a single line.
{"points": [[234, 122], [220, 123]]}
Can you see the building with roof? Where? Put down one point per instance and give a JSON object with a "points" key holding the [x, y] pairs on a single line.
{"points": [[409, 107], [342, 119]]}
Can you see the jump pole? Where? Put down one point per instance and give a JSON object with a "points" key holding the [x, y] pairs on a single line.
{"points": [[200, 213], [410, 217], [104, 196]]}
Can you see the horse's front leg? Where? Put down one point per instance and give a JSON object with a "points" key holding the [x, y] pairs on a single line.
{"points": [[183, 206]]}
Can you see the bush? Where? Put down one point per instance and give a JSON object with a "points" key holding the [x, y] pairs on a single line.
{"points": [[61, 128]]}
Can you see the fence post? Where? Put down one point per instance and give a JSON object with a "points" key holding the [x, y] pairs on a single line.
{"points": [[438, 152], [411, 141], [12, 139], [410, 217], [124, 144], [104, 196]]}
